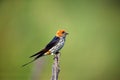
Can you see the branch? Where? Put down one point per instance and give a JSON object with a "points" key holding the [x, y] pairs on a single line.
{"points": [[55, 67]]}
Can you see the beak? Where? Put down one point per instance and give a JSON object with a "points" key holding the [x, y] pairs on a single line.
{"points": [[66, 33]]}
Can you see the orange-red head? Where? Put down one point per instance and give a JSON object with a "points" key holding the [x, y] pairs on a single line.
{"points": [[61, 33]]}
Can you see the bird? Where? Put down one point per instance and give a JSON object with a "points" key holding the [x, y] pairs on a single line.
{"points": [[53, 47]]}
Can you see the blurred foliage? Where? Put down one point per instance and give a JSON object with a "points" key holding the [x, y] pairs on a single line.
{"points": [[92, 48]]}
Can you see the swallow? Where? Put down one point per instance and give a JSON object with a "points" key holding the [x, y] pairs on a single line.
{"points": [[52, 48]]}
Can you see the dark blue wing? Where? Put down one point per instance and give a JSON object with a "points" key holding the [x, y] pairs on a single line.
{"points": [[52, 43]]}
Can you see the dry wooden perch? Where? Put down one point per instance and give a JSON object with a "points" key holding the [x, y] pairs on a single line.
{"points": [[55, 67]]}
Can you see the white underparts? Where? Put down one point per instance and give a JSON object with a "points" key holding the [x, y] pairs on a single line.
{"points": [[58, 46]]}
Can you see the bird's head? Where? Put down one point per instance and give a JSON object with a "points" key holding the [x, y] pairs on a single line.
{"points": [[61, 33]]}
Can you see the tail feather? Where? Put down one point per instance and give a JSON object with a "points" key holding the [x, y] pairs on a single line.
{"points": [[28, 63], [39, 55], [41, 52]]}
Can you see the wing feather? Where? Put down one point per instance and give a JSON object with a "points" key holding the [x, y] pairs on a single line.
{"points": [[52, 43]]}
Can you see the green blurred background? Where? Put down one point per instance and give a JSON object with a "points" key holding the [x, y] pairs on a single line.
{"points": [[92, 49]]}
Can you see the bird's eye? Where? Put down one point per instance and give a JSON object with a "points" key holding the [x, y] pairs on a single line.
{"points": [[63, 32]]}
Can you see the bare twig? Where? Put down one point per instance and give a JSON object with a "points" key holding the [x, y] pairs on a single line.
{"points": [[55, 67]]}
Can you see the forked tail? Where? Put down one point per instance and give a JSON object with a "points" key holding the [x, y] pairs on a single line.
{"points": [[28, 63], [37, 56]]}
